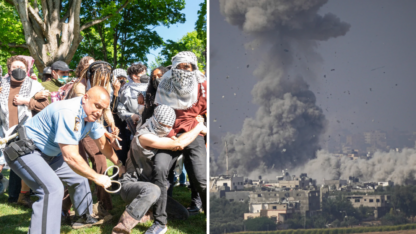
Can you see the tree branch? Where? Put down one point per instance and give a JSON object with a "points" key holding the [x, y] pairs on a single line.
{"points": [[14, 45], [68, 12], [97, 21], [10, 2], [37, 18]]}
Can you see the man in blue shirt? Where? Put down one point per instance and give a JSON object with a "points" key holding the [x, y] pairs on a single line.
{"points": [[56, 132]]}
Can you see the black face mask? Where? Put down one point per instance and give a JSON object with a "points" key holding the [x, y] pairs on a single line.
{"points": [[121, 81], [156, 82], [144, 79], [19, 74]]}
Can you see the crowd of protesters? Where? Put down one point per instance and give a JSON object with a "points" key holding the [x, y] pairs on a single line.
{"points": [[153, 128]]}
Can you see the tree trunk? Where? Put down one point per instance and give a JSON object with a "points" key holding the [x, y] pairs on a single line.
{"points": [[115, 39], [51, 37], [100, 30]]}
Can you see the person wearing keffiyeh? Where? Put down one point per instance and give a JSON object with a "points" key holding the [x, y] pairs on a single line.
{"points": [[184, 88], [20, 96], [128, 107], [137, 189]]}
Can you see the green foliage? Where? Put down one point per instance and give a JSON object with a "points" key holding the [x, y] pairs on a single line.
{"points": [[404, 199], [338, 208], [157, 63], [260, 224], [201, 23], [11, 32], [226, 215], [394, 219], [189, 42], [128, 36]]}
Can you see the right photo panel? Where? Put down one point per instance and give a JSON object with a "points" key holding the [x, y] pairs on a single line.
{"points": [[312, 116]]}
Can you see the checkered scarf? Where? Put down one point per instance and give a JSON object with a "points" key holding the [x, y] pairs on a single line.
{"points": [[162, 115], [29, 89], [119, 72], [179, 88]]}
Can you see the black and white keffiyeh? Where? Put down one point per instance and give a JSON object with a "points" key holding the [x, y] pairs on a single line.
{"points": [[29, 89], [119, 72], [179, 88], [162, 115]]}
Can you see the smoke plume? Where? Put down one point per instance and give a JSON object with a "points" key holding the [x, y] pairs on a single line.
{"points": [[399, 167], [288, 124]]}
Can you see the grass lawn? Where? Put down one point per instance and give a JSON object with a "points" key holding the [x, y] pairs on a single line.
{"points": [[16, 219]]}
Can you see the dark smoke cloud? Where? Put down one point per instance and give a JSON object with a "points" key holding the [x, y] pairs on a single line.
{"points": [[288, 124]]}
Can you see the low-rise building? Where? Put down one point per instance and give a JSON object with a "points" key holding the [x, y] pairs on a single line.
{"points": [[235, 182], [237, 196]]}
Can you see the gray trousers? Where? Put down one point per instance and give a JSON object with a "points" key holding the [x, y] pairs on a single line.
{"points": [[46, 176], [139, 196]]}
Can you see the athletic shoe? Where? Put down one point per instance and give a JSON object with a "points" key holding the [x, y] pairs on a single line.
{"points": [[157, 228]]}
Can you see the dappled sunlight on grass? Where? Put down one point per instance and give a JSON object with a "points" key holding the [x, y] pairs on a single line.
{"points": [[16, 219]]}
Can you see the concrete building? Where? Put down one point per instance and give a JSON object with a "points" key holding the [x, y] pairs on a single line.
{"points": [[386, 184], [237, 196], [304, 201], [277, 212], [335, 184], [380, 203], [292, 182], [235, 182]]}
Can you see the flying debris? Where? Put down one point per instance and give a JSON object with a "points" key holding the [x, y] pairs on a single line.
{"points": [[371, 89], [222, 96], [377, 68], [324, 76], [286, 50], [228, 77], [332, 69], [248, 65], [215, 120]]}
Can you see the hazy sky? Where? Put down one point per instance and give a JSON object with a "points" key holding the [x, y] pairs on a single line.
{"points": [[371, 85]]}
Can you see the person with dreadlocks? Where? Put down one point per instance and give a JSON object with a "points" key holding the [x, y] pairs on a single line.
{"points": [[97, 74], [184, 88], [137, 190]]}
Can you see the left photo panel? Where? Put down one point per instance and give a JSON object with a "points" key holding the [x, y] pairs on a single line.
{"points": [[103, 114]]}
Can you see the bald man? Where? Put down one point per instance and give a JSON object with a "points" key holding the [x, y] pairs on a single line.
{"points": [[55, 132]]}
